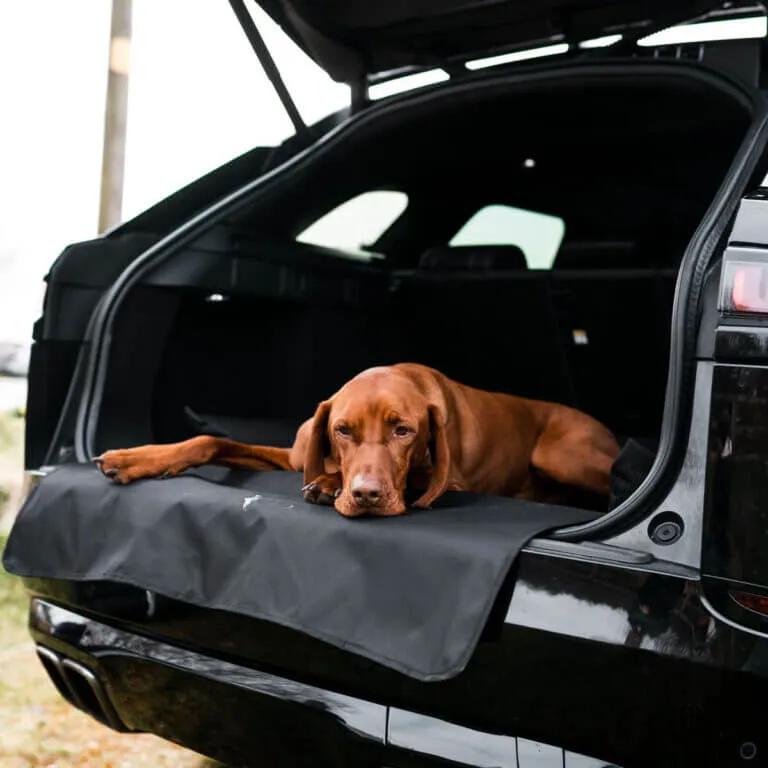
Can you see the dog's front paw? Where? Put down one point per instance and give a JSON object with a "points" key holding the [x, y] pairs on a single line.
{"points": [[323, 489], [125, 466]]}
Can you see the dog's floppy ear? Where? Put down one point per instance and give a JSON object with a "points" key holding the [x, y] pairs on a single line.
{"points": [[441, 461], [316, 451]]}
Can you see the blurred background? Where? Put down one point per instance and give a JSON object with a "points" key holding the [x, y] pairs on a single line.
{"points": [[196, 98]]}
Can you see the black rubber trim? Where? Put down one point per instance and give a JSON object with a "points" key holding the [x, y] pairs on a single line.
{"points": [[695, 260]]}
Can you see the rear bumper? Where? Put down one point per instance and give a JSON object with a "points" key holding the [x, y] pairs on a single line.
{"points": [[246, 716]]}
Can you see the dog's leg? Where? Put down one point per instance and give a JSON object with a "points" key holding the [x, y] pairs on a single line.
{"points": [[578, 455], [127, 465], [323, 489]]}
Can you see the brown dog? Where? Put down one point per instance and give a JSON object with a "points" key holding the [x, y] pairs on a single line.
{"points": [[407, 425]]}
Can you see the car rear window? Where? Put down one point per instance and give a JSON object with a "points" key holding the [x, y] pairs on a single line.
{"points": [[538, 235], [357, 223]]}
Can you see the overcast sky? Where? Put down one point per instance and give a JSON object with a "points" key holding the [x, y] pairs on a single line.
{"points": [[197, 98]]}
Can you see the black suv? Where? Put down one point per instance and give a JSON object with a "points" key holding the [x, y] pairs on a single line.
{"points": [[571, 214]]}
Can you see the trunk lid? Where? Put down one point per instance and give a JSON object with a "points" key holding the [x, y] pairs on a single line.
{"points": [[356, 40]]}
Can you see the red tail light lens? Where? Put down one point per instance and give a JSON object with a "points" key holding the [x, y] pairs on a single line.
{"points": [[756, 603], [744, 288]]}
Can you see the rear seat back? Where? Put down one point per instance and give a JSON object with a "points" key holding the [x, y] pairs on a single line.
{"points": [[593, 338], [477, 314], [615, 329]]}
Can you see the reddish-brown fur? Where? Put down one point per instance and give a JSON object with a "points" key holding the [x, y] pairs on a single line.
{"points": [[407, 425]]}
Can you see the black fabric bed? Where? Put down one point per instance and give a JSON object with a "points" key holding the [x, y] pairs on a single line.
{"points": [[413, 593]]}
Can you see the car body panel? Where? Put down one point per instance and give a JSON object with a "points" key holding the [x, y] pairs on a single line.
{"points": [[583, 659], [289, 723], [735, 512], [736, 518]]}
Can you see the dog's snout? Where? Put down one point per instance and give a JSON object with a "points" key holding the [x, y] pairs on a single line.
{"points": [[366, 490]]}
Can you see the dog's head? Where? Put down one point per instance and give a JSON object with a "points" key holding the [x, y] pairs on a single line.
{"points": [[380, 428]]}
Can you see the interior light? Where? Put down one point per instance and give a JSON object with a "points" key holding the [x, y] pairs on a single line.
{"points": [[529, 162], [580, 337]]}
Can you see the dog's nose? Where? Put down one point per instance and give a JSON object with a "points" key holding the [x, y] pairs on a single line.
{"points": [[365, 490]]}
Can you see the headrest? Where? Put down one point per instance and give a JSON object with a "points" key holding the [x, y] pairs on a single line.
{"points": [[472, 257]]}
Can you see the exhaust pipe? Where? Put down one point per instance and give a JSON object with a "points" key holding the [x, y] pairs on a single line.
{"points": [[81, 688]]}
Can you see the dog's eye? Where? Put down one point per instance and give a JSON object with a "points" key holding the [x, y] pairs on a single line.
{"points": [[402, 431], [343, 430]]}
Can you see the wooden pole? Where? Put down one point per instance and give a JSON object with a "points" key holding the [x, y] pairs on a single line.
{"points": [[116, 118]]}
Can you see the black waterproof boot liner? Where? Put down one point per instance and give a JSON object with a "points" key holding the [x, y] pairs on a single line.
{"points": [[412, 592]]}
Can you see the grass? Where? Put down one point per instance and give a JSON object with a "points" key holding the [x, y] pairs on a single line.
{"points": [[13, 599], [13, 608], [11, 430], [11, 463]]}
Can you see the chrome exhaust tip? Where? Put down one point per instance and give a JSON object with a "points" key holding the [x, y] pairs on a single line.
{"points": [[80, 687]]}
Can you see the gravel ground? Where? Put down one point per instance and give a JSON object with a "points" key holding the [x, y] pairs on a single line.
{"points": [[38, 728]]}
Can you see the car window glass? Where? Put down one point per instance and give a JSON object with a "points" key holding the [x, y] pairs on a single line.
{"points": [[357, 223], [538, 235]]}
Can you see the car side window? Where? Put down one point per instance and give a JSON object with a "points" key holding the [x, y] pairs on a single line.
{"points": [[357, 223], [538, 235]]}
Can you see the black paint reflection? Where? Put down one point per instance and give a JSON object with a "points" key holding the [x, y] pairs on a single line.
{"points": [[361, 717]]}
